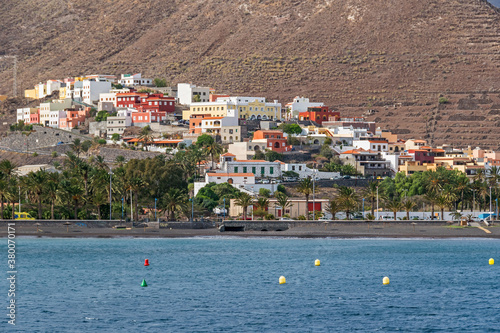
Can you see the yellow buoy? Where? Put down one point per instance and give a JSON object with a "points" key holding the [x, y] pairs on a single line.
{"points": [[317, 262], [282, 280], [385, 280], [491, 261]]}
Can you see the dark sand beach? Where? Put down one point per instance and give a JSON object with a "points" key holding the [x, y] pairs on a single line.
{"points": [[340, 229]]}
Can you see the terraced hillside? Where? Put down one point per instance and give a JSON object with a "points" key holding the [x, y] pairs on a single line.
{"points": [[466, 119]]}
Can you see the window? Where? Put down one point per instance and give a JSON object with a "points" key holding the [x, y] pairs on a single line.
{"points": [[262, 170], [271, 170], [244, 169], [293, 167], [235, 169], [300, 168], [253, 170]]}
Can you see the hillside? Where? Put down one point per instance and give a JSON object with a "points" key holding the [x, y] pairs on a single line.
{"points": [[344, 53]]}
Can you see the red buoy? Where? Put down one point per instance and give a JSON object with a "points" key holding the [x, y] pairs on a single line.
{"points": [[146, 262]]}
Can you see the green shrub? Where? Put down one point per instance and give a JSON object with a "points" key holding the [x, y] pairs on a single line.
{"points": [[443, 100]]}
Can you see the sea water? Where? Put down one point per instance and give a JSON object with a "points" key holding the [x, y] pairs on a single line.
{"points": [[231, 285]]}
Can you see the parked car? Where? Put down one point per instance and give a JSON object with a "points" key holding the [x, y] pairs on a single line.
{"points": [[265, 181], [23, 216], [347, 177], [286, 219]]}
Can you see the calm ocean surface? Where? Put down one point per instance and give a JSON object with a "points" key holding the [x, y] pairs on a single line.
{"points": [[231, 285]]}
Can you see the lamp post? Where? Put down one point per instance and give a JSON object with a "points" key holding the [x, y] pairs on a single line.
{"points": [[110, 178], [122, 208], [224, 210], [377, 204], [314, 188], [19, 199], [363, 208], [192, 209], [491, 213], [156, 199]]}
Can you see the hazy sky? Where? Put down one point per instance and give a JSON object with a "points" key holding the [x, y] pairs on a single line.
{"points": [[495, 2]]}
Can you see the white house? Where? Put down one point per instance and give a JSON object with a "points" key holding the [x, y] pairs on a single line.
{"points": [[24, 114], [260, 168], [303, 171], [52, 85], [91, 89], [300, 104], [187, 91], [48, 114], [375, 144], [130, 80], [118, 123]]}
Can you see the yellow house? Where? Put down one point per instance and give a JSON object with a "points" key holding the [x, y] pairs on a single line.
{"points": [[62, 92], [260, 110], [253, 108], [30, 93], [214, 109], [410, 167]]}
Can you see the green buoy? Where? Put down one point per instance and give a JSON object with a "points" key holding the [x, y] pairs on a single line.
{"points": [[144, 284]]}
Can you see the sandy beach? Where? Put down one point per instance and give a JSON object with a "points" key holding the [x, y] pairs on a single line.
{"points": [[341, 229]]}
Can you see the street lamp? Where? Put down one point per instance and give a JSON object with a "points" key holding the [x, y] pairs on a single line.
{"points": [[122, 208], [156, 199], [192, 209], [314, 200], [19, 199], [363, 208], [491, 213], [377, 203], [224, 209], [110, 177]]}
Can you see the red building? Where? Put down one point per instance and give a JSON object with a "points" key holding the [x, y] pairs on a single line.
{"points": [[319, 114], [130, 99], [141, 117], [35, 117], [421, 155], [275, 140], [146, 102]]}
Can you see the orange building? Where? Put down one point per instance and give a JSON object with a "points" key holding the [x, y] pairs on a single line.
{"points": [[274, 140], [319, 114]]}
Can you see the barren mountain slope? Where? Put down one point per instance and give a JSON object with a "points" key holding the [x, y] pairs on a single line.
{"points": [[341, 52]]}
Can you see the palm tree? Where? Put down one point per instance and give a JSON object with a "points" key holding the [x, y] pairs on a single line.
{"points": [[408, 206], [146, 136], [76, 146], [4, 193], [431, 198], [244, 200], [262, 206], [52, 191], [35, 184], [348, 200], [282, 200], [394, 205], [173, 200], [213, 149], [442, 202], [370, 193], [306, 188], [120, 160], [333, 208], [461, 186]]}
